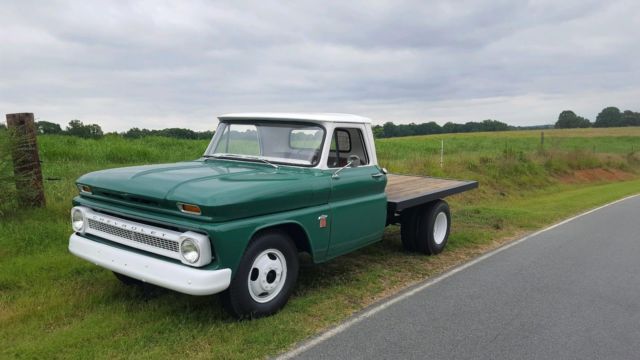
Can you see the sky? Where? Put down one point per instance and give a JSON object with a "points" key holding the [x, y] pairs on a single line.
{"points": [[157, 64]]}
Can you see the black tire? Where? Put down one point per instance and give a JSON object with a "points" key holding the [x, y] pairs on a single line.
{"points": [[129, 281], [239, 300], [431, 238], [409, 229]]}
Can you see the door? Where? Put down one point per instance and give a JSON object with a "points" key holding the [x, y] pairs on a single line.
{"points": [[358, 201]]}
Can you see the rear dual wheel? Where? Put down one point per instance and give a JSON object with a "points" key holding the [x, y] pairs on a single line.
{"points": [[426, 229]]}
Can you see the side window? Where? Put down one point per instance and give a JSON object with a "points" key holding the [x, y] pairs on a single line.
{"points": [[344, 143], [341, 141]]}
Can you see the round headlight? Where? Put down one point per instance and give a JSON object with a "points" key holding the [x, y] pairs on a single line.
{"points": [[189, 250], [77, 220]]}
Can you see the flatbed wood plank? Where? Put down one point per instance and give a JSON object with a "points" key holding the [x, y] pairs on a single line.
{"points": [[399, 186], [404, 191]]}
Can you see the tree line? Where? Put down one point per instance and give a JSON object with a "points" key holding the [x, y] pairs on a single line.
{"points": [[389, 129], [94, 131], [609, 117], [75, 128], [178, 133]]}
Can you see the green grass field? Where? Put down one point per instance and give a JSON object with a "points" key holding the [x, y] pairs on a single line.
{"points": [[53, 305]]}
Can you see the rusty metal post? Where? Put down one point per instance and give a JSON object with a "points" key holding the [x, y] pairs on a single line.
{"points": [[26, 161]]}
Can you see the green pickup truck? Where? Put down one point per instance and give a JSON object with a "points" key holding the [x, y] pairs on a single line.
{"points": [[234, 221]]}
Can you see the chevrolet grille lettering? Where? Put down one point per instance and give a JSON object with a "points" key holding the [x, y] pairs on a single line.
{"points": [[129, 227]]}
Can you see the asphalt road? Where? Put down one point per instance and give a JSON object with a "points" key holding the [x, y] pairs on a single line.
{"points": [[572, 292]]}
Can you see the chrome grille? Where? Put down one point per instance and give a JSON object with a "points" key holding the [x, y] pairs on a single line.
{"points": [[134, 236]]}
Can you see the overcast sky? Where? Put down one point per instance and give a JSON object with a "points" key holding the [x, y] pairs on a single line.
{"points": [[158, 64]]}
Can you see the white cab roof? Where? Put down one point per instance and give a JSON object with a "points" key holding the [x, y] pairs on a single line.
{"points": [[298, 116]]}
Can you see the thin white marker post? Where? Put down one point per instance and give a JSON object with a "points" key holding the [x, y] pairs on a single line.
{"points": [[442, 153]]}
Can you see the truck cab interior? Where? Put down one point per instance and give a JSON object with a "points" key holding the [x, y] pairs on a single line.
{"points": [[344, 143]]}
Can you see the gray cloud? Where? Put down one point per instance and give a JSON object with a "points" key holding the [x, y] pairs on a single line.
{"points": [[160, 63]]}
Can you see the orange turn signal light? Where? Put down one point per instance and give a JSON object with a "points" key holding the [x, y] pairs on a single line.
{"points": [[190, 209], [85, 189]]}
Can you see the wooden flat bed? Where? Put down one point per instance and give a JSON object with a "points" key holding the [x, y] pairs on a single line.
{"points": [[404, 191]]}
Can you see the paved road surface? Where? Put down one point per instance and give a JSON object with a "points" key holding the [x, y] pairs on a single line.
{"points": [[572, 292]]}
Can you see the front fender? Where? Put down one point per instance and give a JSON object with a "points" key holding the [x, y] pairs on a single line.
{"points": [[230, 239]]}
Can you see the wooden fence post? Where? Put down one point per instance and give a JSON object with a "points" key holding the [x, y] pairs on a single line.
{"points": [[26, 161]]}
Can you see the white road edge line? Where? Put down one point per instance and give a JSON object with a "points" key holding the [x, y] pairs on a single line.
{"points": [[385, 304]]}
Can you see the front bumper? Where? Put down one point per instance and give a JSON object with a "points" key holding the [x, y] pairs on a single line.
{"points": [[149, 269]]}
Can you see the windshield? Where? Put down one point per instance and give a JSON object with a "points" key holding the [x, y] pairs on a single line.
{"points": [[274, 142]]}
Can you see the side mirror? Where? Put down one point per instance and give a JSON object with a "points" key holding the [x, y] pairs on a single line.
{"points": [[354, 160]]}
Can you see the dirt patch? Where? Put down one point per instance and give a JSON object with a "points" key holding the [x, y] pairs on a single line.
{"points": [[595, 175]]}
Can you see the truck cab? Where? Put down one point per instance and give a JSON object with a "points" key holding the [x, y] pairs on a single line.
{"points": [[268, 187]]}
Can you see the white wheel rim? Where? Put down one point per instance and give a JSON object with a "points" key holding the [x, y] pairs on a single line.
{"points": [[267, 275], [440, 228]]}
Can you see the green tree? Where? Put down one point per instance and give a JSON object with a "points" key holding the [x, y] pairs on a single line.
{"points": [[469, 127], [95, 131], [390, 129], [609, 117], [136, 133], [378, 131], [46, 127], [178, 133], [205, 134], [450, 127], [77, 128], [493, 125], [630, 118], [569, 120], [2, 126], [405, 130], [428, 128]]}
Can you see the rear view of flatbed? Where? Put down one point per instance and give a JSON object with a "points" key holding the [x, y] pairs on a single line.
{"points": [[416, 203]]}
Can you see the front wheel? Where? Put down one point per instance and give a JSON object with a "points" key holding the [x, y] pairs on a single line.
{"points": [[265, 277]]}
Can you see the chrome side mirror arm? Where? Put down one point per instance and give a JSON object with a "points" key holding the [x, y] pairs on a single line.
{"points": [[335, 174]]}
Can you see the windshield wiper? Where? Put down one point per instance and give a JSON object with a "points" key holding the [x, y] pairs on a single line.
{"points": [[268, 163], [246, 157]]}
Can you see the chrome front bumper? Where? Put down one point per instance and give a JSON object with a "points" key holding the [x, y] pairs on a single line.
{"points": [[149, 269]]}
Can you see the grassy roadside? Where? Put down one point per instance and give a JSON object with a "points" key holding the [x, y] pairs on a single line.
{"points": [[53, 305]]}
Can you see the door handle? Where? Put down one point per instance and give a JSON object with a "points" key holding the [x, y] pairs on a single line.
{"points": [[375, 176]]}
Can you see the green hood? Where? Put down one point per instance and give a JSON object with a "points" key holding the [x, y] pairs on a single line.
{"points": [[223, 189]]}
